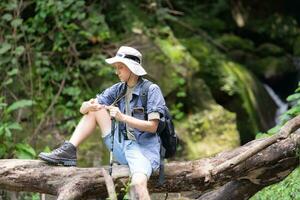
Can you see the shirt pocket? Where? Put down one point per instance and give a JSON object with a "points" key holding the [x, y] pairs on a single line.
{"points": [[138, 112]]}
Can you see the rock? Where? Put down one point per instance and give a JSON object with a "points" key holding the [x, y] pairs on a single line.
{"points": [[234, 87], [235, 42], [272, 67], [296, 47], [269, 49], [209, 132], [199, 96]]}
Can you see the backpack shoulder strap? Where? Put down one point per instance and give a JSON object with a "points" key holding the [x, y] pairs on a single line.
{"points": [[144, 94], [120, 91]]}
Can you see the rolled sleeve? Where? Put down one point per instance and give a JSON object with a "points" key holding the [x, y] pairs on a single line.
{"points": [[153, 115], [108, 96], [156, 100]]}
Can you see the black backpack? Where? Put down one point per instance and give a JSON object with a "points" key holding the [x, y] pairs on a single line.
{"points": [[165, 129]]}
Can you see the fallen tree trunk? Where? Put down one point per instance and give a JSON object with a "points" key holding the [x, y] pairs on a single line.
{"points": [[245, 170]]}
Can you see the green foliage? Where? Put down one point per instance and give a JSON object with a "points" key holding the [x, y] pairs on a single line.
{"points": [[9, 128], [52, 59], [231, 41], [177, 108], [25, 151], [17, 105], [270, 66], [269, 49], [296, 46], [203, 138], [278, 27], [208, 16], [176, 111], [288, 189], [126, 190], [211, 66], [197, 128], [49, 55], [294, 100]]}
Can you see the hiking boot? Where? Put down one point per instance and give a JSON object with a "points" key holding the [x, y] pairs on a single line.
{"points": [[65, 155]]}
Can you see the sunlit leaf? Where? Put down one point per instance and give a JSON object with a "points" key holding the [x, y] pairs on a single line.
{"points": [[2, 105], [16, 22], [72, 91], [4, 47], [7, 82], [294, 111], [12, 5], [14, 71], [2, 151], [19, 104], [25, 151], [181, 94], [293, 97], [15, 126], [7, 17], [8, 133], [19, 50], [47, 149], [2, 128]]}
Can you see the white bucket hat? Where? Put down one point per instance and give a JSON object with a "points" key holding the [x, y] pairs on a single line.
{"points": [[131, 57]]}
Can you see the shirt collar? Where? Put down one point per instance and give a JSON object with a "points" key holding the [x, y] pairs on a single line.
{"points": [[137, 88]]}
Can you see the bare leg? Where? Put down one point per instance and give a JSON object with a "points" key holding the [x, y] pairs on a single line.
{"points": [[138, 188], [66, 153], [88, 123]]}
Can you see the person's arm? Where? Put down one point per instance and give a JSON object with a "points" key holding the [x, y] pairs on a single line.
{"points": [[143, 125], [91, 105]]}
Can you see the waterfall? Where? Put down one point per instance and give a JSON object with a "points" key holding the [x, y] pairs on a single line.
{"points": [[282, 106]]}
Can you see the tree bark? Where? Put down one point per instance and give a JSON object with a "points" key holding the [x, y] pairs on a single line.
{"points": [[245, 171]]}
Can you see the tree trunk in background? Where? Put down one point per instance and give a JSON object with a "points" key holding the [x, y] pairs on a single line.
{"points": [[240, 172]]}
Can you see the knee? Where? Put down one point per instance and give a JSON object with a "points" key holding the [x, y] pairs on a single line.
{"points": [[97, 113], [102, 112], [139, 180]]}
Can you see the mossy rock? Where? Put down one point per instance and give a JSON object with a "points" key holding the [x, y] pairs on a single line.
{"points": [[156, 63], [231, 41], [196, 24], [269, 49], [242, 56], [177, 53], [209, 132], [126, 17], [234, 86], [296, 47], [199, 96], [165, 58], [272, 67]]}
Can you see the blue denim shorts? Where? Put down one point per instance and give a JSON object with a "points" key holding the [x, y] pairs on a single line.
{"points": [[128, 152]]}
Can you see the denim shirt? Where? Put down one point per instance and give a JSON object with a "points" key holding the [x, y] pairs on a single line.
{"points": [[148, 142]]}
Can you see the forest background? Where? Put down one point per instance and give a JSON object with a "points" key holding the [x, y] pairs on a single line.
{"points": [[229, 71]]}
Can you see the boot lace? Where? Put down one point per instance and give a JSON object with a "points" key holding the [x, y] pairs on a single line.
{"points": [[60, 149]]}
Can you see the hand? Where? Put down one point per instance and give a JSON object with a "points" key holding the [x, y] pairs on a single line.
{"points": [[115, 113], [93, 105]]}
